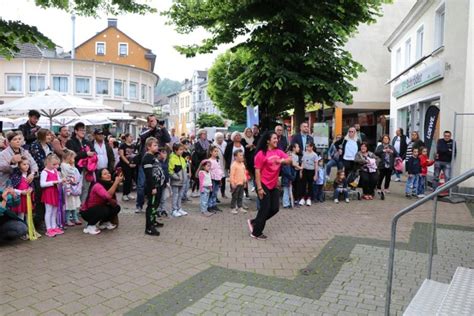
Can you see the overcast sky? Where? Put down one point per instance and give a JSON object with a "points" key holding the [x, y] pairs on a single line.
{"points": [[150, 31]]}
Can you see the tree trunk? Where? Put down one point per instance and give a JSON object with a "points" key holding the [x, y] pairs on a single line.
{"points": [[299, 114]]}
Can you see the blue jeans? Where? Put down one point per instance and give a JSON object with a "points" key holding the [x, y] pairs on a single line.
{"points": [[333, 163], [213, 194], [12, 229], [339, 191], [184, 196], [140, 187], [286, 196], [412, 184], [204, 205], [162, 206], [177, 192], [441, 166], [74, 213], [421, 185], [318, 191]]}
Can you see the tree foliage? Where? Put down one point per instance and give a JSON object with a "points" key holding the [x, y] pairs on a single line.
{"points": [[13, 33], [297, 47], [209, 120], [224, 89]]}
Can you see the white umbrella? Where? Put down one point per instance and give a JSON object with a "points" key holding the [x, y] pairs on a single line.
{"points": [[51, 104], [7, 123]]}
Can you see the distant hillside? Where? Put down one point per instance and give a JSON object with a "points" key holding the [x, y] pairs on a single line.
{"points": [[166, 87]]}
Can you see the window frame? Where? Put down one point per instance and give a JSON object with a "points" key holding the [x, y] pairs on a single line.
{"points": [[440, 15], [63, 77], [143, 92], [407, 58], [119, 53], [136, 90], [75, 85], [108, 87], [123, 88], [105, 48], [420, 37], [29, 83], [6, 83]]}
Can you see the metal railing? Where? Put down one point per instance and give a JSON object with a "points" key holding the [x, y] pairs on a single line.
{"points": [[432, 196]]}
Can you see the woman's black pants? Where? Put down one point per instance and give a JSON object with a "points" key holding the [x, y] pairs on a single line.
{"points": [[100, 213], [368, 182], [269, 206]]}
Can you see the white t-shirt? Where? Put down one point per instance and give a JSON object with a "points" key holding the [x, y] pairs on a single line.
{"points": [[351, 150], [102, 161], [309, 160]]}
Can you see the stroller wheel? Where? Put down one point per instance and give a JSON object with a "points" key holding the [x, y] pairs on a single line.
{"points": [[358, 196]]}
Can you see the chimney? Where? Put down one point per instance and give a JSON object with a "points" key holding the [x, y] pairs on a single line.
{"points": [[112, 22]]}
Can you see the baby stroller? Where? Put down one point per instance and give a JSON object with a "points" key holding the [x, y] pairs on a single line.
{"points": [[353, 184]]}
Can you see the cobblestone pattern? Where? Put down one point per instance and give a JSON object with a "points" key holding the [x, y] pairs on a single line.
{"points": [[117, 271]]}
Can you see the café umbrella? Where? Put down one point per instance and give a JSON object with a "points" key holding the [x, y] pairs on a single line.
{"points": [[51, 104]]}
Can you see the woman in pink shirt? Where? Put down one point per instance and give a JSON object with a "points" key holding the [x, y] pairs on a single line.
{"points": [[101, 205], [268, 161]]}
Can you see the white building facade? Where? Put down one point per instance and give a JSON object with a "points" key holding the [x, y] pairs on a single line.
{"points": [[431, 74], [124, 88]]}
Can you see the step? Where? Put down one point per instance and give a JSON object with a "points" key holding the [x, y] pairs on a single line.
{"points": [[428, 299], [459, 299]]}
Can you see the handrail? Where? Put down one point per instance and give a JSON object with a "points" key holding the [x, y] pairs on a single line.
{"points": [[434, 195]]}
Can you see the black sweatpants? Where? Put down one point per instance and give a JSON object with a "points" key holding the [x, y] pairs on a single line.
{"points": [[308, 180], [368, 182], [223, 186], [152, 208], [100, 213], [128, 178], [269, 206], [386, 174]]}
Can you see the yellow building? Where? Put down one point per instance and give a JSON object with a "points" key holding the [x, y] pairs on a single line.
{"points": [[113, 46]]}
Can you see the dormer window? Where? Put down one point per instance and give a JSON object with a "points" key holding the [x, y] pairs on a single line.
{"points": [[123, 49], [100, 48]]}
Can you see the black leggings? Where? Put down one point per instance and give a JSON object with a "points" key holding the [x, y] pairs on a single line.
{"points": [[100, 213], [368, 182], [386, 174], [308, 179], [223, 186], [349, 166], [128, 178], [269, 206]]}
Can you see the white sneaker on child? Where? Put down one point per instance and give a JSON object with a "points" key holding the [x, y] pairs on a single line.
{"points": [[336, 201], [347, 200], [125, 198], [301, 202], [182, 212], [242, 210], [234, 211], [308, 202], [176, 213]]}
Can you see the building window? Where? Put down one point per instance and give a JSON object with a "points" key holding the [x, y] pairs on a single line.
{"points": [[398, 60], [37, 83], [100, 48], [102, 86], [83, 85], [123, 49], [439, 26], [143, 92], [60, 83], [14, 83], [419, 42], [118, 88], [132, 90], [150, 95], [408, 53]]}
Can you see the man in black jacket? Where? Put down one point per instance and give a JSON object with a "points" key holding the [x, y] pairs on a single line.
{"points": [[30, 128], [444, 155], [159, 132], [302, 138], [83, 149]]}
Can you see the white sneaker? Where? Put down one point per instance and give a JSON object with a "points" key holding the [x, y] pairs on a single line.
{"points": [[420, 195], [107, 225], [234, 211], [176, 213], [336, 201], [397, 180], [182, 212], [195, 194], [308, 202], [253, 189], [347, 200], [91, 229], [131, 197], [125, 198], [301, 202], [242, 210], [139, 210]]}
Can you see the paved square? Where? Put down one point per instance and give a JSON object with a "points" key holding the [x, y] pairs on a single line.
{"points": [[323, 259]]}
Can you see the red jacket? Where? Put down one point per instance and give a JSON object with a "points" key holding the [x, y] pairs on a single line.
{"points": [[425, 163]]}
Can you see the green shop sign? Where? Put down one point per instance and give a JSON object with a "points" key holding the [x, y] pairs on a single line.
{"points": [[432, 73]]}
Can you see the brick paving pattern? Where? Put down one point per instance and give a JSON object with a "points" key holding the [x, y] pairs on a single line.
{"points": [[124, 271]]}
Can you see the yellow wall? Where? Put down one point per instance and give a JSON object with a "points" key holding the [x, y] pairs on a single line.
{"points": [[112, 37]]}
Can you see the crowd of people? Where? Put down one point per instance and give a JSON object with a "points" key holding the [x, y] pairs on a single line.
{"points": [[67, 180]]}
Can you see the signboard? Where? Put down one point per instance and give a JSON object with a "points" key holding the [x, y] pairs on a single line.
{"points": [[422, 78], [321, 135], [252, 116], [431, 118]]}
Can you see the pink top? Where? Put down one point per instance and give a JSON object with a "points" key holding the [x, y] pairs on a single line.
{"points": [[269, 166], [216, 171], [204, 180], [98, 196]]}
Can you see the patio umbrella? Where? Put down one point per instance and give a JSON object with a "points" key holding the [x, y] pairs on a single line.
{"points": [[51, 104], [7, 123]]}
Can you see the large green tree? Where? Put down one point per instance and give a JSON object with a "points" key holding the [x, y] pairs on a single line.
{"points": [[297, 47], [209, 120], [224, 89], [13, 33]]}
